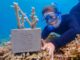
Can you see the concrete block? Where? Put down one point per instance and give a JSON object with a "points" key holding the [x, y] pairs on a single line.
{"points": [[26, 40]]}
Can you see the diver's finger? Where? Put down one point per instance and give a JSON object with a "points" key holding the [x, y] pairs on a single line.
{"points": [[43, 42], [44, 47]]}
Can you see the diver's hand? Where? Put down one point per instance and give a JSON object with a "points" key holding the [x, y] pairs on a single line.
{"points": [[49, 47]]}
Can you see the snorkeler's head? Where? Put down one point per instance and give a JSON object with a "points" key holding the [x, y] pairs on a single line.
{"points": [[52, 15]]}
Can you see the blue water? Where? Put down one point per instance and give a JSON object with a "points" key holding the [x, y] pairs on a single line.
{"points": [[8, 19]]}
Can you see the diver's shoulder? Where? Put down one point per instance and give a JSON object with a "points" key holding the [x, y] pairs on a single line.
{"points": [[66, 17]]}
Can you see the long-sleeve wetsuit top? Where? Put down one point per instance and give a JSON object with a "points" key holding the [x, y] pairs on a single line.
{"points": [[68, 29]]}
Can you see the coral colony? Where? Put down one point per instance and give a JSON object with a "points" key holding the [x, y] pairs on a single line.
{"points": [[7, 52], [21, 16]]}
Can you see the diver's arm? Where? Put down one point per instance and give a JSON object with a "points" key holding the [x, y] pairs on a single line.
{"points": [[69, 35], [47, 30], [65, 38]]}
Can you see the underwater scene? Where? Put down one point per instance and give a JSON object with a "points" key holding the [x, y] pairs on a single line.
{"points": [[40, 30], [8, 19]]}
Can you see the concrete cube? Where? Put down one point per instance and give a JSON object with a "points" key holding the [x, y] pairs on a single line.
{"points": [[26, 40]]}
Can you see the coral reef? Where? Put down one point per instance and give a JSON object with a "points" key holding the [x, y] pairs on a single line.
{"points": [[70, 52]]}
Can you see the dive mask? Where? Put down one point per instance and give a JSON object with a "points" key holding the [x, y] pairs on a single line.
{"points": [[51, 17]]}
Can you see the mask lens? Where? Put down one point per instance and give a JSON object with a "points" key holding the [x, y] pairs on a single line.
{"points": [[50, 18]]}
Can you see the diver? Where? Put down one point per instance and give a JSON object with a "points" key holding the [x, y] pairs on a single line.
{"points": [[75, 11], [65, 25]]}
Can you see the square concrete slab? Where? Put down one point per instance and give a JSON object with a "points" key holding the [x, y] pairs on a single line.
{"points": [[26, 40]]}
